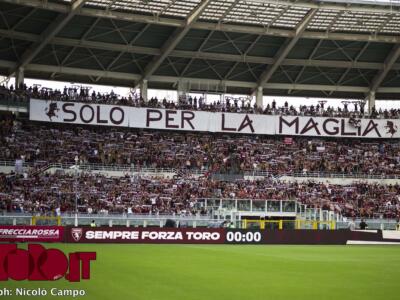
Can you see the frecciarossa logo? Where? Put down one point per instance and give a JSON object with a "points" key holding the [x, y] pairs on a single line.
{"points": [[41, 264]]}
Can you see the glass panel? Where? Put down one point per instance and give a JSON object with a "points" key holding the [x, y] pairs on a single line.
{"points": [[228, 204], [119, 222], [273, 205], [317, 214], [200, 204], [68, 221], [288, 206], [258, 205], [310, 213], [7, 221], [136, 223], [243, 205], [213, 203], [22, 221], [325, 215], [98, 221]]}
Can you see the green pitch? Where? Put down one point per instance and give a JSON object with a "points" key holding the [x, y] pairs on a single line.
{"points": [[152, 272]]}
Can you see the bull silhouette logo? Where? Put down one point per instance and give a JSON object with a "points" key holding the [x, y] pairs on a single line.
{"points": [[391, 128], [51, 110], [76, 234]]}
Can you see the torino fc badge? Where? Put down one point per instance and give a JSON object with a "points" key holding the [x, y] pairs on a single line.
{"points": [[76, 234]]}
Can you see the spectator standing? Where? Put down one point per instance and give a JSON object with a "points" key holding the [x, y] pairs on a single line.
{"points": [[363, 225]]}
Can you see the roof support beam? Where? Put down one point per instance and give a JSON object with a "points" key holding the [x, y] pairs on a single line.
{"points": [[196, 54], [192, 57], [228, 10], [51, 31], [49, 69], [286, 48], [371, 101], [132, 17], [387, 66], [173, 41], [344, 6], [338, 5]]}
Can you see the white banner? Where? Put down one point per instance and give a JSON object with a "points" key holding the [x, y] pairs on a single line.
{"points": [[337, 127], [155, 118]]}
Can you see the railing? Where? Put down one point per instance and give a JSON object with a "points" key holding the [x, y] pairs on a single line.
{"points": [[122, 168], [260, 206], [7, 163], [23, 102], [93, 167], [322, 175], [373, 224], [20, 103], [248, 173], [111, 220], [160, 220]]}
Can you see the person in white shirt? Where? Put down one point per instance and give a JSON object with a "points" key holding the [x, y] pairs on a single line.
{"points": [[352, 224]]}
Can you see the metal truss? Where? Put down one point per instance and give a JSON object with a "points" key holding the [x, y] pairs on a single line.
{"points": [[173, 41], [388, 65], [51, 31], [285, 49], [253, 19], [273, 17], [194, 81], [313, 61]]}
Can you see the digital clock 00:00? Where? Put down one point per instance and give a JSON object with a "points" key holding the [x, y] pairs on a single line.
{"points": [[243, 236]]}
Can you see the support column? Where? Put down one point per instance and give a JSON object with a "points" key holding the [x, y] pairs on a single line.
{"points": [[143, 90], [181, 89], [259, 97], [371, 101], [19, 78]]}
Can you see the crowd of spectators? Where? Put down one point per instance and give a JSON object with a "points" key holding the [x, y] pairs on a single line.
{"points": [[351, 109], [97, 194], [200, 152], [204, 152]]}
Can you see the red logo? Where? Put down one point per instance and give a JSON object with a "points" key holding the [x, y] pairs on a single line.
{"points": [[76, 234], [40, 264]]}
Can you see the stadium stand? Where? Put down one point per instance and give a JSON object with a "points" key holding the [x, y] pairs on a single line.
{"points": [[189, 152], [353, 109], [197, 151], [339, 50], [99, 194]]}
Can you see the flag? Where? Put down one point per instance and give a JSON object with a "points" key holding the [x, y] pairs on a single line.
{"points": [[288, 141]]}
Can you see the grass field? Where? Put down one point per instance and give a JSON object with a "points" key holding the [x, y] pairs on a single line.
{"points": [[189, 272]]}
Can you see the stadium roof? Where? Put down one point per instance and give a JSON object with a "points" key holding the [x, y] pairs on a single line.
{"points": [[300, 48]]}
